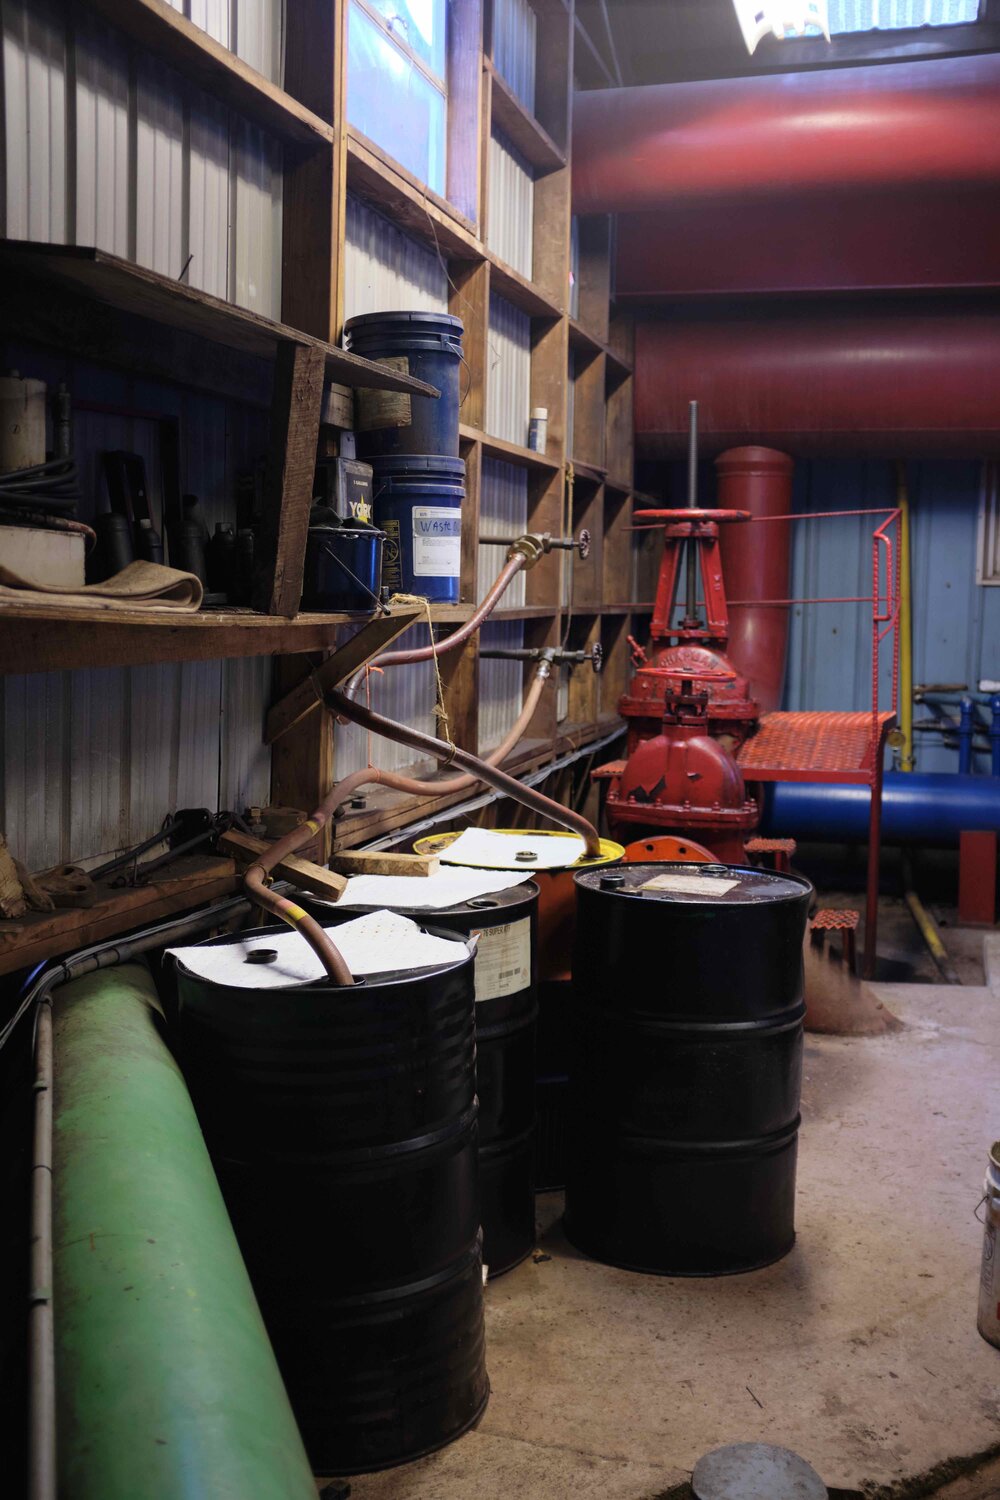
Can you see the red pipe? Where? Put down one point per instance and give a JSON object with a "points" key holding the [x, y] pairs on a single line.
{"points": [[934, 121], [919, 240], [897, 381], [756, 563]]}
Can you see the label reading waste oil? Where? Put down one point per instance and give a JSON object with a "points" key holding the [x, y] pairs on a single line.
{"points": [[437, 541], [503, 959]]}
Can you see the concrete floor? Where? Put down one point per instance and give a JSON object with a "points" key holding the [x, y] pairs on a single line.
{"points": [[859, 1350]]}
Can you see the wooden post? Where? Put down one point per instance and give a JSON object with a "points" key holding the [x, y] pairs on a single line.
{"points": [[291, 466]]}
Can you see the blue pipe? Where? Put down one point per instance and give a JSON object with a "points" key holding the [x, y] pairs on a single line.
{"points": [[925, 808], [995, 733], [966, 729]]}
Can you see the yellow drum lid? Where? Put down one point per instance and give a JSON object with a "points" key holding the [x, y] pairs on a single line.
{"points": [[610, 853]]}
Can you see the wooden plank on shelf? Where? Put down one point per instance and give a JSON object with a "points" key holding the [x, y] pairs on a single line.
{"points": [[413, 207], [521, 128], [366, 643], [305, 874], [173, 39], [190, 881], [134, 289], [288, 483], [381, 862]]}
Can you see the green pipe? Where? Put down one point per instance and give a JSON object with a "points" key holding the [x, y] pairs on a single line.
{"points": [[166, 1385]]}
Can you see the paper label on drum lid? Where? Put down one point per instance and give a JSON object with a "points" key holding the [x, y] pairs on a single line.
{"points": [[691, 885], [375, 410], [437, 541], [503, 959]]}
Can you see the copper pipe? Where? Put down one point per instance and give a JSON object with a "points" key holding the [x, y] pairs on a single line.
{"points": [[255, 885], [372, 776], [505, 577], [425, 744]]}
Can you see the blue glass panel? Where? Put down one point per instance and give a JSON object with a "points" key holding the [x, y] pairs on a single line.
{"points": [[393, 103]]}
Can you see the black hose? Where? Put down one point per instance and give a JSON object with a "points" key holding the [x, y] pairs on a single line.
{"points": [[50, 487]]}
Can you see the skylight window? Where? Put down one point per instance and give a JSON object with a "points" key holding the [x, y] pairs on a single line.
{"points": [[851, 16]]}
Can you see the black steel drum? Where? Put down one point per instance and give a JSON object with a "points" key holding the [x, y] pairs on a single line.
{"points": [[343, 1126], [686, 1067], [506, 1017]]}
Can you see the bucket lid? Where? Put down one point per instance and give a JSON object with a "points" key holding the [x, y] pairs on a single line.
{"points": [[694, 885], [404, 465], [610, 852], [419, 322]]}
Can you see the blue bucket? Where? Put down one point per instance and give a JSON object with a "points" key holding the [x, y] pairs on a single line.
{"points": [[418, 504], [427, 346]]}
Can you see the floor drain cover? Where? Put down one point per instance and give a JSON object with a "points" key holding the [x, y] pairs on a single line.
{"points": [[755, 1471]]}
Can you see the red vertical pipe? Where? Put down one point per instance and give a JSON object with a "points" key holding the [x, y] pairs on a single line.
{"points": [[756, 563]]}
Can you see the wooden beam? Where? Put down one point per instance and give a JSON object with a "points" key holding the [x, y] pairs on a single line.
{"points": [[305, 874], [173, 39], [191, 881], [371, 639], [288, 485], [379, 862]]}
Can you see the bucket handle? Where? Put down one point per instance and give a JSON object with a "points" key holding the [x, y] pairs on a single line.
{"points": [[975, 1211], [468, 389], [382, 608]]}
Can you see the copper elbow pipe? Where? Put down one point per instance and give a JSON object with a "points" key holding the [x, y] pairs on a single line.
{"points": [[255, 885], [481, 770], [505, 577]]}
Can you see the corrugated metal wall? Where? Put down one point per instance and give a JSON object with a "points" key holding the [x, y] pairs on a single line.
{"points": [[387, 271], [105, 145], [407, 694], [92, 760], [510, 221], [508, 379], [501, 690], [253, 29], [515, 28], [956, 623], [503, 511]]}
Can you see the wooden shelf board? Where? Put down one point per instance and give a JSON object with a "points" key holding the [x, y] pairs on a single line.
{"points": [[583, 341], [521, 128], [517, 289], [626, 609], [617, 485], [412, 206], [190, 881], [134, 289], [511, 453], [570, 736], [587, 473], [36, 639], [526, 612], [174, 39], [580, 337]]}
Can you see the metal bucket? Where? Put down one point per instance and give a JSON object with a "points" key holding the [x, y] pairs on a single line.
{"points": [[418, 504], [423, 344], [343, 569], [988, 1322], [342, 1123], [686, 1069], [506, 1016]]}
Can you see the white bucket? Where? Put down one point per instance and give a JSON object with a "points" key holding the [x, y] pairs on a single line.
{"points": [[988, 1322]]}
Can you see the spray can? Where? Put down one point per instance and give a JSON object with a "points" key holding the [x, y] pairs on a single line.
{"points": [[538, 429]]}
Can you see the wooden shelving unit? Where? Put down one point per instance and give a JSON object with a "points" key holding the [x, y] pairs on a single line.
{"points": [[109, 309]]}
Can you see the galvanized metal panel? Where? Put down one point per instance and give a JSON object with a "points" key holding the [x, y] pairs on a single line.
{"points": [[406, 694], [511, 216], [213, 16], [515, 31], [34, 87], [102, 136], [956, 625], [209, 238], [501, 689], [159, 168], [244, 759], [258, 25], [503, 511], [256, 217], [387, 271], [508, 380]]}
